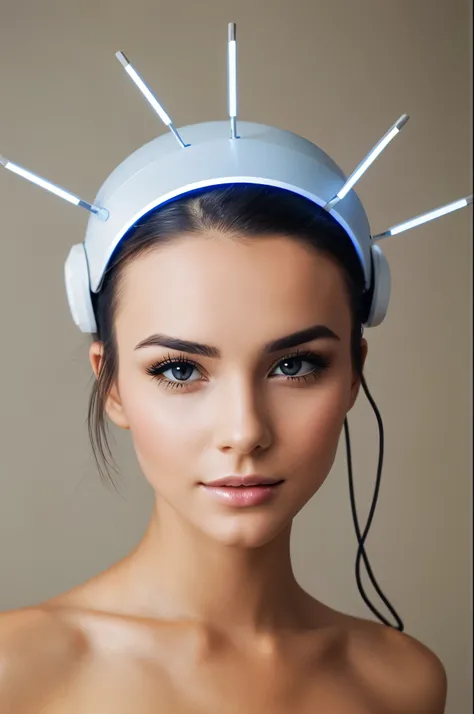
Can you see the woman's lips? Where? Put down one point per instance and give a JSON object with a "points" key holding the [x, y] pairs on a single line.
{"points": [[242, 496]]}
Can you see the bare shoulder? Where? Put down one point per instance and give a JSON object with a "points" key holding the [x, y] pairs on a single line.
{"points": [[37, 651], [400, 672]]}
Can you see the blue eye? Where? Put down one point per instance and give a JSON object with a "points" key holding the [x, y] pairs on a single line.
{"points": [[183, 367]]}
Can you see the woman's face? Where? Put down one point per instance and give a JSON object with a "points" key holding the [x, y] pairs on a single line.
{"points": [[243, 412]]}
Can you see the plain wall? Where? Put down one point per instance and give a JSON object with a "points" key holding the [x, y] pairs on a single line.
{"points": [[338, 73]]}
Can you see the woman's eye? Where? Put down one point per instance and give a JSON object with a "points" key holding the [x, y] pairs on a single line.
{"points": [[180, 370], [292, 366]]}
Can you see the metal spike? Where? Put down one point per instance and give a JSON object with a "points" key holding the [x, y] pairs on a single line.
{"points": [[101, 213], [424, 218], [369, 159], [232, 78], [152, 100]]}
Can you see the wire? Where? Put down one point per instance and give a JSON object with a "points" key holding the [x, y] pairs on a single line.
{"points": [[361, 553]]}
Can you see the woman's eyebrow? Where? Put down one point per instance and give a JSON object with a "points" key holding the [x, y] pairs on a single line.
{"points": [[315, 332]]}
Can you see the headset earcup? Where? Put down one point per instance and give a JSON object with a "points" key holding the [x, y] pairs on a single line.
{"points": [[382, 287], [76, 273]]}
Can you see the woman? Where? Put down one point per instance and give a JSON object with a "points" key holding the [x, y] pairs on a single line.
{"points": [[192, 355]]}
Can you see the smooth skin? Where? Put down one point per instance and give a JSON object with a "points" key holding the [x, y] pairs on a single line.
{"points": [[205, 615]]}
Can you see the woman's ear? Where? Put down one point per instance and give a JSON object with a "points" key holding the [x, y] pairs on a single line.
{"points": [[364, 348], [96, 352], [113, 405]]}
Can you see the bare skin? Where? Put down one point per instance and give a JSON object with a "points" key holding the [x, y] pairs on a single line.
{"points": [[205, 614]]}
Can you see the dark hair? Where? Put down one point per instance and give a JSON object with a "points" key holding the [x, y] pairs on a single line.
{"points": [[239, 211]]}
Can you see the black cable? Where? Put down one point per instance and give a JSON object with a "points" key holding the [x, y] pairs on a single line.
{"points": [[361, 538]]}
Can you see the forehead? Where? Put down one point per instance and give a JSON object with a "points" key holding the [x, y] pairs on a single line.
{"points": [[217, 287]]}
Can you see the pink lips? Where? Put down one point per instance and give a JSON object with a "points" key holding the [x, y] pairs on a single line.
{"points": [[254, 491], [249, 480]]}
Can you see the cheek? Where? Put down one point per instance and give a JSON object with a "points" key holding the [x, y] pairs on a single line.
{"points": [[311, 431], [165, 430]]}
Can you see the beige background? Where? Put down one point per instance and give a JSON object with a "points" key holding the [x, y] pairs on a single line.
{"points": [[339, 73]]}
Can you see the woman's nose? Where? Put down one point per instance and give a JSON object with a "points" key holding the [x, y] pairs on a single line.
{"points": [[243, 423]]}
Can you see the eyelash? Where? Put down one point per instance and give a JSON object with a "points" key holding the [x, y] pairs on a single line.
{"points": [[320, 362]]}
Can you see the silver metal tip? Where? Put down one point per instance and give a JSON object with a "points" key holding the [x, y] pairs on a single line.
{"points": [[232, 31], [402, 121], [3, 160], [122, 59]]}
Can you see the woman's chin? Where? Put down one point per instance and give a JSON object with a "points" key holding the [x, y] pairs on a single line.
{"points": [[249, 530]]}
